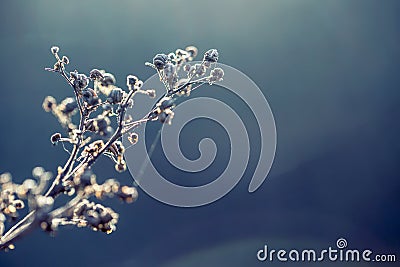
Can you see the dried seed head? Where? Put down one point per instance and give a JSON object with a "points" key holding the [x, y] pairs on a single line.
{"points": [[29, 184], [166, 102], [182, 53], [128, 194], [120, 147], [49, 103], [133, 138], [211, 56], [45, 226], [57, 66], [199, 69], [38, 171], [5, 178], [217, 72], [69, 190], [92, 218], [101, 123], [186, 67], [89, 126], [55, 138], [169, 70], [108, 79], [105, 217], [68, 105], [107, 107], [73, 75], [10, 210], [121, 166], [166, 116], [81, 81], [90, 96], [54, 49], [162, 117], [18, 204], [44, 203], [65, 60], [130, 103], [216, 75], [131, 81], [117, 149], [139, 84], [172, 57], [192, 51], [159, 61], [95, 74], [115, 96]]}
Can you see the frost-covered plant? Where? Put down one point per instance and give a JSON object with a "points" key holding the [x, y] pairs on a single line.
{"points": [[97, 101]]}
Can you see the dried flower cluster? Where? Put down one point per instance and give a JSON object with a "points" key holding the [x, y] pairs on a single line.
{"points": [[98, 101]]}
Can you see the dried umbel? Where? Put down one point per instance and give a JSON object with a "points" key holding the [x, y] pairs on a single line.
{"points": [[98, 103]]}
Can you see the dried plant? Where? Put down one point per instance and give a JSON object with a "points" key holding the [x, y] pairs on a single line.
{"points": [[90, 138]]}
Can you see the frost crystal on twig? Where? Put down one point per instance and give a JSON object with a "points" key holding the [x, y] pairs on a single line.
{"points": [[97, 101]]}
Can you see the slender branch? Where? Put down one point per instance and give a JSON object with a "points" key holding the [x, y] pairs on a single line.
{"points": [[19, 230], [72, 158]]}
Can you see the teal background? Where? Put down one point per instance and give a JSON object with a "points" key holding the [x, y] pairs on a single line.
{"points": [[330, 71]]}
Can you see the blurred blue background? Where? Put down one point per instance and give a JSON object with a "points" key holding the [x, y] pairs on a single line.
{"points": [[329, 70]]}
